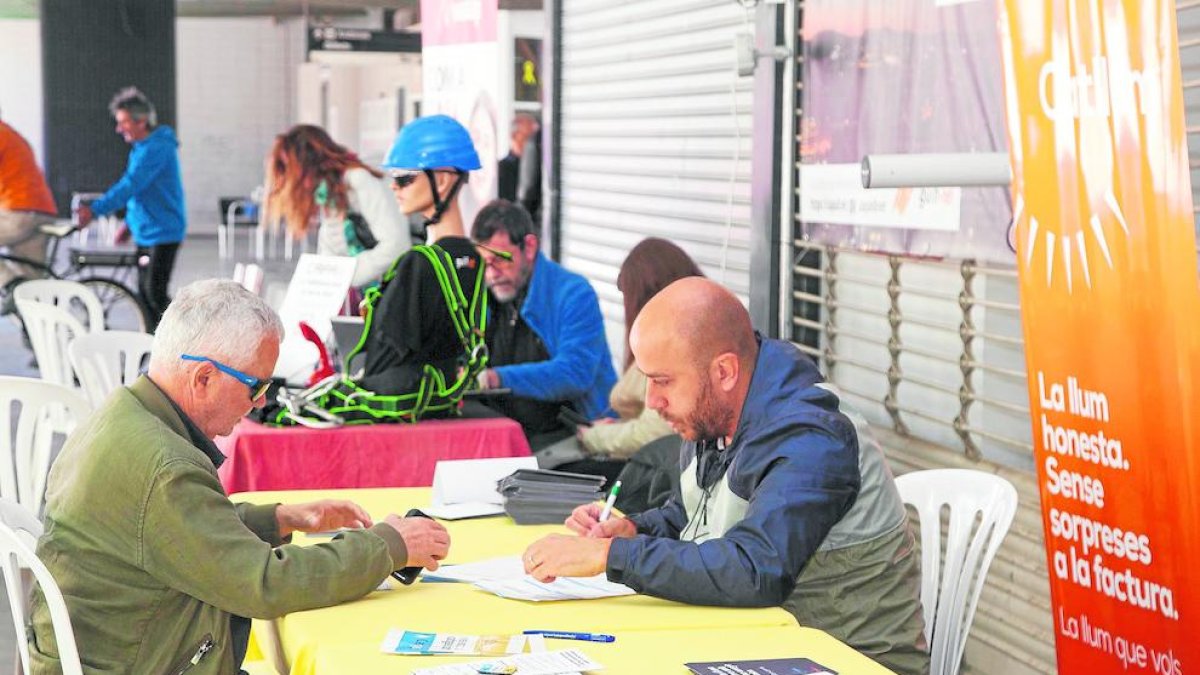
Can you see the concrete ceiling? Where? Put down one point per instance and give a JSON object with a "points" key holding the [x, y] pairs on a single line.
{"points": [[28, 9]]}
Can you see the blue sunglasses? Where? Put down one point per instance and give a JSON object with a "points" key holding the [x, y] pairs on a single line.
{"points": [[258, 388]]}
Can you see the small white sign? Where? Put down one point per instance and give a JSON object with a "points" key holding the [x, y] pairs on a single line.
{"points": [[833, 193], [465, 488], [315, 294]]}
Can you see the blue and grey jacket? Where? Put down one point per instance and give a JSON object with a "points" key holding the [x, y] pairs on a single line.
{"points": [[561, 308], [151, 191], [800, 510]]}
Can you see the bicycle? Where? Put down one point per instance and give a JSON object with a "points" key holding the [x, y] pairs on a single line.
{"points": [[123, 306]]}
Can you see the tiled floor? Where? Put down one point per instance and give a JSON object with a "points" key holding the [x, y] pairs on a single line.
{"points": [[198, 259]]}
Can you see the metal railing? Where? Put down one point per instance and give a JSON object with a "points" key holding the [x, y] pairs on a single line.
{"points": [[818, 308]]}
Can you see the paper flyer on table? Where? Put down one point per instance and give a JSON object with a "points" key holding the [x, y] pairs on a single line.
{"points": [[562, 588], [464, 511], [492, 569], [410, 642], [566, 662]]}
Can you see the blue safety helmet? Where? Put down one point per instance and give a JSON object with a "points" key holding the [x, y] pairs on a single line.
{"points": [[433, 142]]}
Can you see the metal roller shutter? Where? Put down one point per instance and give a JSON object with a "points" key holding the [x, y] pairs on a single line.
{"points": [[1187, 13], [656, 137]]}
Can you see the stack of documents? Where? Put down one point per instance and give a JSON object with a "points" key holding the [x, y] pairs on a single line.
{"points": [[542, 496]]}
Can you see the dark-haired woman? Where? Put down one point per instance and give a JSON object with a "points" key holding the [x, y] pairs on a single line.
{"points": [[651, 266]]}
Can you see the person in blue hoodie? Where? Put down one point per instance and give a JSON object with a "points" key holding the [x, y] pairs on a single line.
{"points": [[785, 499], [546, 334], [151, 192]]}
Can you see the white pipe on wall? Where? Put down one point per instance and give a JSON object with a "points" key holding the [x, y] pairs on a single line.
{"points": [[970, 169]]}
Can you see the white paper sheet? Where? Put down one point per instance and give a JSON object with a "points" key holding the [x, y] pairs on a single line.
{"points": [[494, 569], [464, 510], [461, 481], [550, 663], [563, 588]]}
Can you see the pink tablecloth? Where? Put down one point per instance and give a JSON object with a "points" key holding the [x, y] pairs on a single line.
{"points": [[385, 455]]}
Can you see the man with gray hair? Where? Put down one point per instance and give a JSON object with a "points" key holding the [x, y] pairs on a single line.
{"points": [[152, 194], [157, 566]]}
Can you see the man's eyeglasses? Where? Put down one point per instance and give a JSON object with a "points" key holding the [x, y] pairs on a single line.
{"points": [[258, 388], [499, 258]]}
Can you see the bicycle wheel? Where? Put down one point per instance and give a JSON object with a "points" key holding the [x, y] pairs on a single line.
{"points": [[123, 309]]}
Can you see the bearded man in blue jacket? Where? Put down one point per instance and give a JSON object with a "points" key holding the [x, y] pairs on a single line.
{"points": [[545, 335], [151, 192], [785, 499]]}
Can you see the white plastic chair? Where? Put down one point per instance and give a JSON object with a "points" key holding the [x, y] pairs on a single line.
{"points": [[17, 525], [235, 217], [71, 296], [981, 509], [26, 438], [51, 330], [106, 360]]}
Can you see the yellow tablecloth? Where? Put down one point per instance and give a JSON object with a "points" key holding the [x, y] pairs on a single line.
{"points": [[634, 653], [313, 641]]}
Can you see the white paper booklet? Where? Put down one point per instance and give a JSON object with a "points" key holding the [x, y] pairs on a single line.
{"points": [[466, 488], [562, 588], [550, 663]]}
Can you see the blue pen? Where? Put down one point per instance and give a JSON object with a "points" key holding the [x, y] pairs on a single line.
{"points": [[570, 635]]}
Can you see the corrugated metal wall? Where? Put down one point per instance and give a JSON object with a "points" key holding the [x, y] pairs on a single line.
{"points": [[655, 139]]}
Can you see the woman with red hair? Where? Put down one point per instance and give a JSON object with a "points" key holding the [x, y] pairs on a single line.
{"points": [[312, 179]]}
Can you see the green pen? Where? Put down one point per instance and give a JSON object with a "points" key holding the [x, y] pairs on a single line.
{"points": [[608, 504]]}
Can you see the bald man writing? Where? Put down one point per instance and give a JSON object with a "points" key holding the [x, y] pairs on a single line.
{"points": [[785, 500]]}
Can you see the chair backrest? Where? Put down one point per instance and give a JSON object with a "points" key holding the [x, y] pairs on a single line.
{"points": [[250, 276], [51, 330], [106, 360], [72, 296], [17, 525], [27, 437], [980, 509]]}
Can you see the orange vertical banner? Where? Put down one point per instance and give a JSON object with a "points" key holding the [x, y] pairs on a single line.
{"points": [[1106, 249]]}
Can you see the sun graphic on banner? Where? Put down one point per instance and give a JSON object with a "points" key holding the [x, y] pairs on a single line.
{"points": [[1093, 109], [1069, 246]]}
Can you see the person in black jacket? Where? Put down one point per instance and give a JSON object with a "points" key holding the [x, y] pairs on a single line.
{"points": [[519, 174]]}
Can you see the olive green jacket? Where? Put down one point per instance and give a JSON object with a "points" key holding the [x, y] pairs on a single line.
{"points": [[153, 558]]}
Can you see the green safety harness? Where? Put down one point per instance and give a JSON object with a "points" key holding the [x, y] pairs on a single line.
{"points": [[340, 400]]}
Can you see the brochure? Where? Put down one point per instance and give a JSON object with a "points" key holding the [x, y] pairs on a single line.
{"points": [[790, 666], [413, 642]]}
